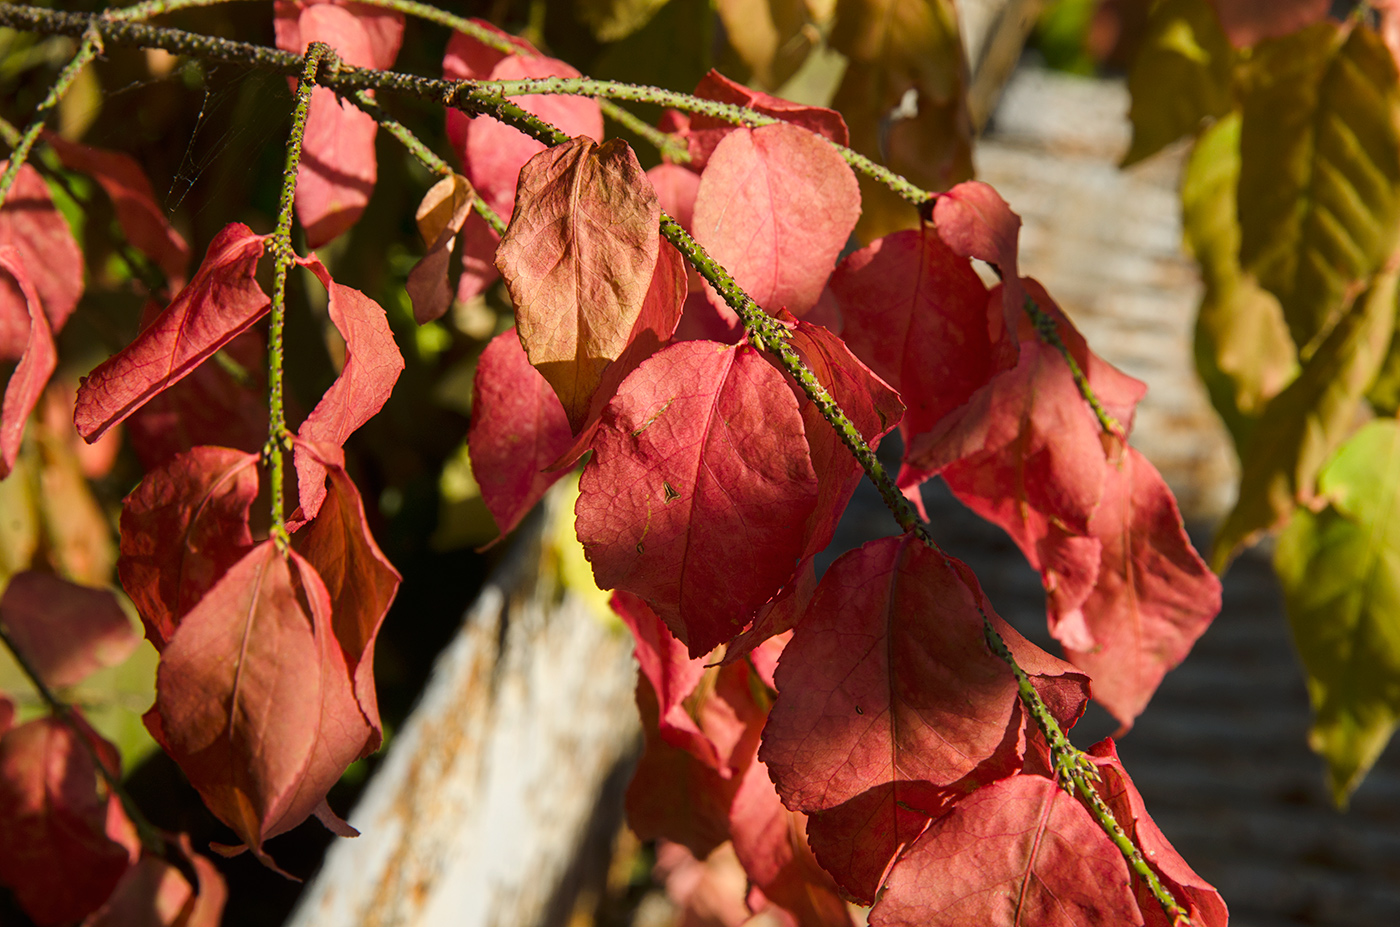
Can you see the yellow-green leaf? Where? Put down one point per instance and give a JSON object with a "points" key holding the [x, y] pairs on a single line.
{"points": [[1340, 571], [1304, 424], [611, 20], [1181, 76], [1243, 351], [773, 37], [1384, 394], [1319, 193], [904, 100]]}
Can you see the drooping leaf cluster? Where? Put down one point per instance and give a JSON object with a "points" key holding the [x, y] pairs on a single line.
{"points": [[692, 336], [1290, 206]]}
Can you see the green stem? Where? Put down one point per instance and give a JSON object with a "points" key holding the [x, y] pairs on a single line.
{"points": [[90, 47], [149, 836], [401, 133], [278, 437], [672, 148], [422, 152], [1049, 332]]}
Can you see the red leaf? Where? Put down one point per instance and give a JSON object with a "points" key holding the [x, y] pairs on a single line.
{"points": [[672, 673], [372, 367], [698, 488], [868, 402], [338, 167], [468, 59], [182, 528], [142, 221], [384, 28], [858, 839], [917, 314], [212, 406], [253, 647], [493, 153], [66, 631], [776, 205], [888, 683], [518, 429], [705, 132], [359, 579], [1248, 22], [676, 187], [1019, 851], [1153, 596], [155, 893], [579, 257], [709, 892], [697, 753], [975, 222], [771, 843], [1201, 901], [1022, 452], [217, 305], [673, 795], [33, 226], [56, 854], [35, 366]]}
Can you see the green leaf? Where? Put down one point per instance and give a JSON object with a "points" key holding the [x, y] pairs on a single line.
{"points": [[1304, 424], [1243, 351], [1319, 194], [1384, 394], [1340, 571], [611, 20], [1181, 76]]}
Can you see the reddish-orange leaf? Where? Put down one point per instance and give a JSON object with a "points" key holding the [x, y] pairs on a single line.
{"points": [[1248, 22], [672, 673], [56, 852], [676, 187], [155, 893], [440, 217], [975, 222], [66, 631], [857, 840], [182, 528], [35, 366], [696, 755], [776, 205], [518, 429], [579, 257], [220, 302], [704, 132], [888, 681], [1015, 853], [492, 152], [917, 313], [33, 226], [143, 222], [372, 367], [1152, 598], [673, 795], [771, 843], [468, 59], [212, 406], [358, 577], [699, 489], [383, 27], [241, 660], [338, 167], [343, 732], [1200, 899]]}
